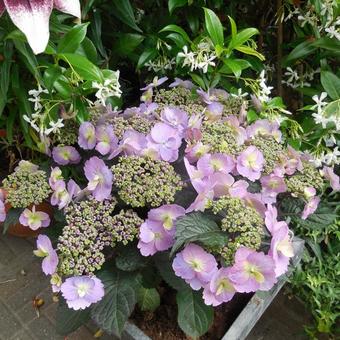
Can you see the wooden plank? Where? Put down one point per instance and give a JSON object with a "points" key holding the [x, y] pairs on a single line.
{"points": [[261, 300]]}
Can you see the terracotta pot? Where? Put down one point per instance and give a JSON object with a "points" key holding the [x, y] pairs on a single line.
{"points": [[20, 230]]}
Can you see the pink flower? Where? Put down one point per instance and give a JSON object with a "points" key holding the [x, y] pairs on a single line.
{"points": [[205, 191], [252, 271], [32, 18], [133, 143], [255, 201], [238, 131], [214, 111], [196, 151], [309, 192], [329, 174], [167, 215], [100, 178], [220, 289], [64, 155], [250, 163], [55, 177], [87, 136], [187, 84], [271, 222], [310, 207], [209, 164], [166, 140], [264, 127], [176, 118], [155, 83], [81, 292], [2, 211], [107, 142], [63, 196], [272, 186], [153, 238], [292, 162], [281, 249], [225, 185], [195, 266], [34, 219], [45, 250]]}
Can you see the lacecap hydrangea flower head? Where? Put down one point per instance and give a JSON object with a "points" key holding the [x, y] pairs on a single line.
{"points": [[142, 176]]}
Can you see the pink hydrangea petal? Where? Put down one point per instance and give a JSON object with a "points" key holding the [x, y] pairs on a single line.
{"points": [[181, 268], [146, 249], [146, 235], [50, 263]]}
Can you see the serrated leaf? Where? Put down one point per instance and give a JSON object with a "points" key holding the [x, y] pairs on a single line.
{"points": [[198, 227], [68, 320], [113, 311], [12, 218], [320, 219], [214, 27], [130, 259], [164, 266], [148, 299], [194, 316]]}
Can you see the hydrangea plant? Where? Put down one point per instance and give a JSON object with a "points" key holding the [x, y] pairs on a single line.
{"points": [[195, 193]]}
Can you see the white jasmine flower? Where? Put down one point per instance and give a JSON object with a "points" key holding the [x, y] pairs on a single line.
{"points": [[291, 75], [319, 118], [54, 126], [320, 104], [333, 32], [332, 157], [32, 122], [110, 87]]}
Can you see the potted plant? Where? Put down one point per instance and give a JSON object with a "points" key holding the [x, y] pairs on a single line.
{"points": [[179, 200]]}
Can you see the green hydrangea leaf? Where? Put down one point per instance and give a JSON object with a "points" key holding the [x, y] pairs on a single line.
{"points": [[194, 316], [130, 259], [12, 218], [113, 311], [198, 227], [148, 299], [164, 266]]}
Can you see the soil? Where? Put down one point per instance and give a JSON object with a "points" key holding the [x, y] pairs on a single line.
{"points": [[162, 323]]}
